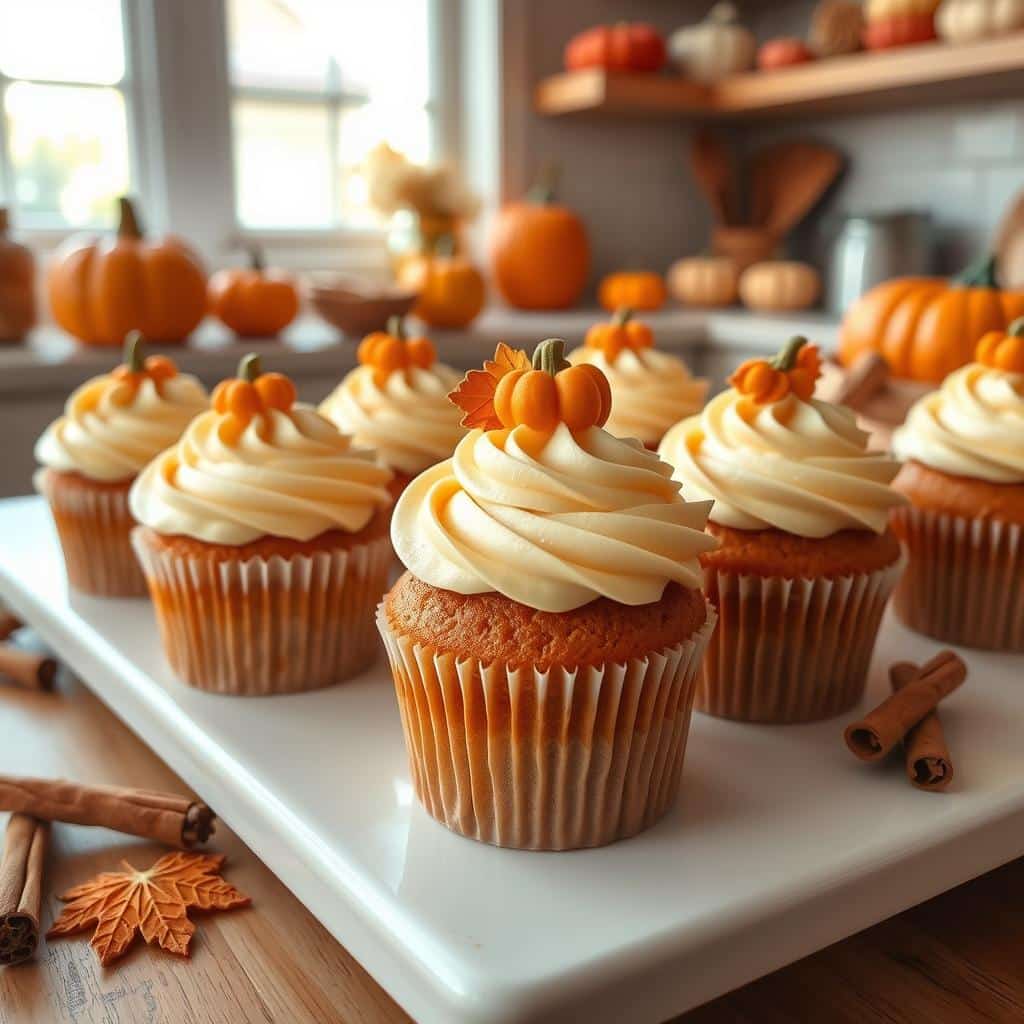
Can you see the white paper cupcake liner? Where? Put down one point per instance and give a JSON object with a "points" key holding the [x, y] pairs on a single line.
{"points": [[545, 760], [94, 526], [965, 581], [791, 650], [267, 626]]}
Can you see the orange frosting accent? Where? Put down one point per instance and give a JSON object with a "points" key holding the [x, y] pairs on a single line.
{"points": [[794, 370]]}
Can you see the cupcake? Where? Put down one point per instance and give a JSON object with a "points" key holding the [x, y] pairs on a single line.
{"points": [[112, 426], [651, 390], [806, 561], [263, 537], [396, 402], [963, 452], [546, 636]]}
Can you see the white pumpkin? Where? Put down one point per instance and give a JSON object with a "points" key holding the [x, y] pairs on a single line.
{"points": [[965, 21], [779, 286], [714, 48], [703, 281]]}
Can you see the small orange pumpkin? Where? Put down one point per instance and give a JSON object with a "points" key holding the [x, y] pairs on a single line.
{"points": [[552, 392], [795, 369], [390, 351], [251, 393], [621, 332], [637, 289], [134, 369], [102, 289], [1003, 350], [254, 302], [451, 290]]}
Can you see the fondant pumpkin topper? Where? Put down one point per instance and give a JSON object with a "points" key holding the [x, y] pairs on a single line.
{"points": [[251, 393], [1003, 350], [620, 333], [390, 351], [513, 390], [134, 369], [794, 370]]}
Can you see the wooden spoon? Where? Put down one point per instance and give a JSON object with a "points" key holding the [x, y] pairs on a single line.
{"points": [[787, 179], [711, 163]]}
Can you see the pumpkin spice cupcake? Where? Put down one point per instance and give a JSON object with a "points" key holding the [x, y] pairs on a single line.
{"points": [[396, 402], [546, 638], [263, 538], [112, 426], [806, 562], [651, 390], [963, 447]]}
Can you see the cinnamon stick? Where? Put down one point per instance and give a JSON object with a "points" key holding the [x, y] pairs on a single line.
{"points": [[876, 734], [164, 817], [929, 765], [8, 624], [862, 381], [27, 669], [21, 887]]}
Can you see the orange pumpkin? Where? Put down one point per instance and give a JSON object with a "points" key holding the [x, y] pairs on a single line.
{"points": [[637, 289], [17, 286], [927, 327], [540, 252], [254, 302], [1003, 350], [553, 392], [621, 332], [795, 369], [451, 290], [134, 369], [100, 289], [390, 351]]}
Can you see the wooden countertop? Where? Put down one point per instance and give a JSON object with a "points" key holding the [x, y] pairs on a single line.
{"points": [[953, 959]]}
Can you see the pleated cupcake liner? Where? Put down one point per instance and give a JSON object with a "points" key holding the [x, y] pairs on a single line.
{"points": [[94, 526], [265, 626], [965, 581], [554, 759], [791, 650]]}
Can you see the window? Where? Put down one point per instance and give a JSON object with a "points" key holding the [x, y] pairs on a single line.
{"points": [[315, 85], [64, 149]]}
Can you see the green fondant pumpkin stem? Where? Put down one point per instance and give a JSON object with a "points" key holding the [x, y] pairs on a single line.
{"points": [[249, 368], [256, 260], [980, 274], [128, 225], [549, 356], [622, 316], [133, 351], [396, 327], [1016, 328], [786, 359]]}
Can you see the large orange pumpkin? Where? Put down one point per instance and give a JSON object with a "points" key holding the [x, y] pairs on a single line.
{"points": [[926, 327], [540, 252], [100, 289], [254, 302]]}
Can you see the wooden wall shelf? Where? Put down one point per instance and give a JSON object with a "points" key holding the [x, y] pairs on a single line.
{"points": [[929, 73]]}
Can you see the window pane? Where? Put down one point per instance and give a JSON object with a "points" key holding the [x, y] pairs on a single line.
{"points": [[69, 151], [270, 46], [282, 164], [63, 40]]}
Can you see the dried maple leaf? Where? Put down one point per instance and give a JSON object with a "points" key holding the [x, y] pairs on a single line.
{"points": [[153, 902], [475, 392]]}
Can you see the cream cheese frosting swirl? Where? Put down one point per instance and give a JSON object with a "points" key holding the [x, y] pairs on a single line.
{"points": [[287, 474], [110, 429], [973, 425], [551, 520], [792, 465], [651, 390], [408, 420]]}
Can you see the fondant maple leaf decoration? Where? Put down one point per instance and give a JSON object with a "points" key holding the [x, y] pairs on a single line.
{"points": [[153, 903], [475, 392]]}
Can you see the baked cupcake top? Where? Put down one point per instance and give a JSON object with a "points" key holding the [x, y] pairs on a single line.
{"points": [[259, 464], [651, 390], [973, 425], [396, 401], [115, 423], [773, 457], [542, 505]]}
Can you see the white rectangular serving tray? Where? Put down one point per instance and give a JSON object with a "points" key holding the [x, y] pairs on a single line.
{"points": [[781, 842]]}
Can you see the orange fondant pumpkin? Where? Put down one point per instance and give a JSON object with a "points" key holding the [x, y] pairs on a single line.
{"points": [[795, 369], [450, 289], [390, 350], [254, 302], [100, 289], [1003, 350], [620, 333], [635, 289], [134, 369], [251, 393], [928, 327]]}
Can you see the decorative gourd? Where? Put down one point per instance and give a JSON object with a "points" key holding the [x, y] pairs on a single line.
{"points": [[710, 281], [637, 289], [794, 370], [620, 333], [889, 23], [254, 302], [623, 47], [714, 48], [926, 327], [836, 27], [17, 286], [783, 53], [390, 351], [250, 393], [779, 286], [540, 252], [100, 289], [1003, 350], [134, 369], [966, 21], [451, 291]]}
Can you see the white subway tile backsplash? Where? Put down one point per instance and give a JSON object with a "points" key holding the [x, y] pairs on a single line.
{"points": [[986, 136]]}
